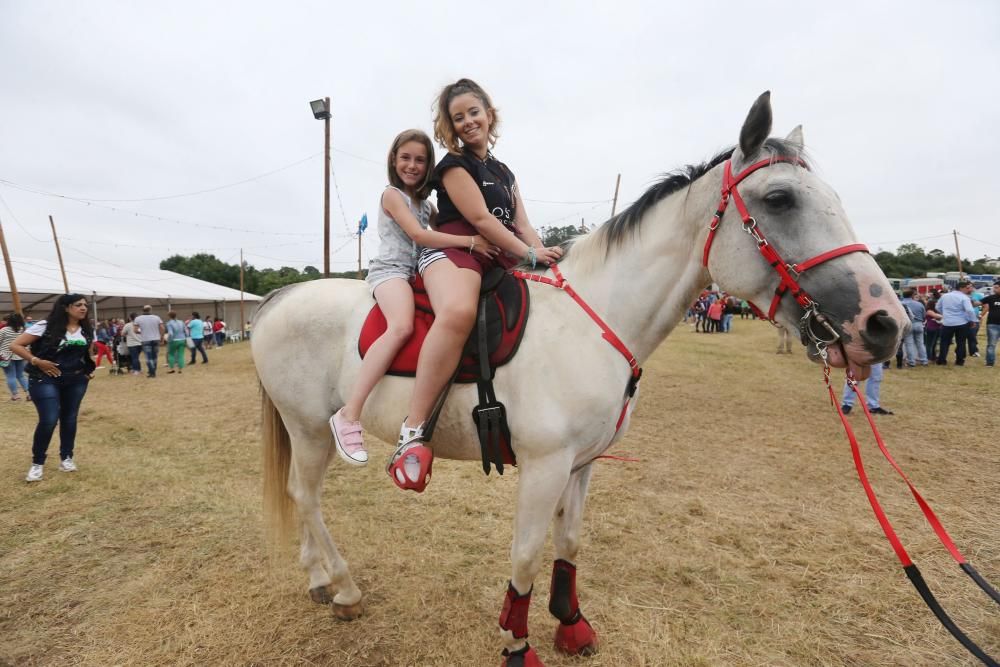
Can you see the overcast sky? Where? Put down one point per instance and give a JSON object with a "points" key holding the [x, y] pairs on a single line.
{"points": [[105, 101]]}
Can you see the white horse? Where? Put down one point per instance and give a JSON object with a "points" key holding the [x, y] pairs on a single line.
{"points": [[565, 389]]}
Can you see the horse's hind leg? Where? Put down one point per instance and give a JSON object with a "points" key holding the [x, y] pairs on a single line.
{"points": [[319, 555], [574, 634], [538, 490]]}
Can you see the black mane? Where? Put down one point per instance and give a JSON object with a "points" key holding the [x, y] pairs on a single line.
{"points": [[623, 225]]}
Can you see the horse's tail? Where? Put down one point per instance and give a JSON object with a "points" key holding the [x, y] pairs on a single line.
{"points": [[279, 507]]}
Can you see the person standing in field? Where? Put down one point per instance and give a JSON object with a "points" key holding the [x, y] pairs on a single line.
{"points": [[59, 350], [152, 333], [176, 343], [405, 224], [197, 330], [958, 320], [219, 329], [134, 344], [13, 365], [209, 334], [784, 340], [991, 316], [914, 347]]}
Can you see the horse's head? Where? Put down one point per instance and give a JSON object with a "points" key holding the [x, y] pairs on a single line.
{"points": [[784, 229]]}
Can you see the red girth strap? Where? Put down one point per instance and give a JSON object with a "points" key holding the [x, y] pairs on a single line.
{"points": [[787, 272], [608, 335]]}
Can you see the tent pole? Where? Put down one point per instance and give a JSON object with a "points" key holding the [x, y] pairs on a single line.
{"points": [[62, 268], [10, 274], [241, 294], [96, 319]]}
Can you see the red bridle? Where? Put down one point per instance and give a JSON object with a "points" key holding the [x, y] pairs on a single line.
{"points": [[788, 272]]}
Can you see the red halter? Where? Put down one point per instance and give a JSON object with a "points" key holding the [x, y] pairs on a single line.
{"points": [[788, 272]]}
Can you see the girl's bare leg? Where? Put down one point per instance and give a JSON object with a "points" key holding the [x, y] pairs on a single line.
{"points": [[454, 295], [395, 298]]}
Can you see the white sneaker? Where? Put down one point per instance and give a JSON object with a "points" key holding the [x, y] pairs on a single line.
{"points": [[67, 465], [34, 474]]}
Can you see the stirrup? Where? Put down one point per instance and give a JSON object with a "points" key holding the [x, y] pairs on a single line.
{"points": [[425, 458]]}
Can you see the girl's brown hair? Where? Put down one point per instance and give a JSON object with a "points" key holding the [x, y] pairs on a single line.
{"points": [[424, 189], [444, 129]]}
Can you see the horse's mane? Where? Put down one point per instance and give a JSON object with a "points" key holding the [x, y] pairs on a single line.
{"points": [[623, 226]]}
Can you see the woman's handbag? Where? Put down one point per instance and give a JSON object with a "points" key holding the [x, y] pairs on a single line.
{"points": [[189, 342]]}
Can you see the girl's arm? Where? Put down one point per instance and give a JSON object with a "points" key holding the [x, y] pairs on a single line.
{"points": [[470, 203], [395, 206]]}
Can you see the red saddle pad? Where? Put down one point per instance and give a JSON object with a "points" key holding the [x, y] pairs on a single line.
{"points": [[509, 316]]}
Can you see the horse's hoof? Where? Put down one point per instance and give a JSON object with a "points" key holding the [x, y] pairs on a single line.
{"points": [[577, 638], [348, 612], [321, 595]]}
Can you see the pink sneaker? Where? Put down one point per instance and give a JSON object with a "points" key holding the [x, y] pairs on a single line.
{"points": [[350, 442]]}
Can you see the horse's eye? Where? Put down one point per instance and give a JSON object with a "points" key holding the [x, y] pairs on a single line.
{"points": [[779, 199]]}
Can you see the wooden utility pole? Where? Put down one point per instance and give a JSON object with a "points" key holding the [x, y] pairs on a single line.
{"points": [[958, 255], [359, 255], [242, 318], [62, 268], [326, 197], [10, 273], [614, 202]]}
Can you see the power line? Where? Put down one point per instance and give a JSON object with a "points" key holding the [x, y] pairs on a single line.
{"points": [[965, 236], [339, 200], [207, 190], [150, 216], [25, 229]]}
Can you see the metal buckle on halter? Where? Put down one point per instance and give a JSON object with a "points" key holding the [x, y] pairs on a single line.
{"points": [[793, 271], [750, 227]]}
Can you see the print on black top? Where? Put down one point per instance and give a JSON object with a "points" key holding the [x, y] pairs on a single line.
{"points": [[494, 180]]}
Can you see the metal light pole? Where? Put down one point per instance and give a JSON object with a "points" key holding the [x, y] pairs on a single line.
{"points": [[321, 111]]}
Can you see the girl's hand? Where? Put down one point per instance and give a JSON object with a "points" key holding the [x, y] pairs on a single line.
{"points": [[548, 255], [49, 368], [483, 247]]}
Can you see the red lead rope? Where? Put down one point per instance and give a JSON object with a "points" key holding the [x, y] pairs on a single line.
{"points": [[912, 572], [608, 334]]}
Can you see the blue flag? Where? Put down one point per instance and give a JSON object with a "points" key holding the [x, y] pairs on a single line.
{"points": [[363, 224]]}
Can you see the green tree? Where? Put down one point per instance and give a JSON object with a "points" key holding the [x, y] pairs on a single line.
{"points": [[552, 236]]}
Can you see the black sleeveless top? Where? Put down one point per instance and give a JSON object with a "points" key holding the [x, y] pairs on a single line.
{"points": [[495, 181]]}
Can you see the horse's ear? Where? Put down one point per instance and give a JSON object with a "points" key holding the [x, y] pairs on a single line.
{"points": [[795, 138], [756, 128]]}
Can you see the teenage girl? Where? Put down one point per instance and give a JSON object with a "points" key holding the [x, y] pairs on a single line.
{"points": [[477, 194], [405, 223]]}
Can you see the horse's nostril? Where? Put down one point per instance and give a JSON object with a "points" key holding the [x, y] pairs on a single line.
{"points": [[880, 334], [881, 326]]}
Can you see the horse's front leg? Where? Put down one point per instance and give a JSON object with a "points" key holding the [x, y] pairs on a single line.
{"points": [[574, 635], [539, 488]]}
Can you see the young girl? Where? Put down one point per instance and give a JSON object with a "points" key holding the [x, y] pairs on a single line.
{"points": [[405, 223]]}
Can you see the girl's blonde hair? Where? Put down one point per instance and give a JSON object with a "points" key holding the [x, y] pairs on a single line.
{"points": [[444, 129], [424, 189]]}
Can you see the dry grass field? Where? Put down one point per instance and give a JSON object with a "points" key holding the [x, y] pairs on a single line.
{"points": [[742, 538]]}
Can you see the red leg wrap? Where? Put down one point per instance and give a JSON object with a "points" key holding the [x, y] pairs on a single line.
{"points": [[514, 616], [562, 601], [574, 634], [526, 657]]}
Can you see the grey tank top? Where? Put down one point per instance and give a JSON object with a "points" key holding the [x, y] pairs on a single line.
{"points": [[397, 251]]}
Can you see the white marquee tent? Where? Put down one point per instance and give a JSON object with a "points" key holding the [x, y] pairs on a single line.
{"points": [[114, 291]]}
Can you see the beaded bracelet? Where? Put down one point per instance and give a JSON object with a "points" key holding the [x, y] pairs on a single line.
{"points": [[530, 257]]}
